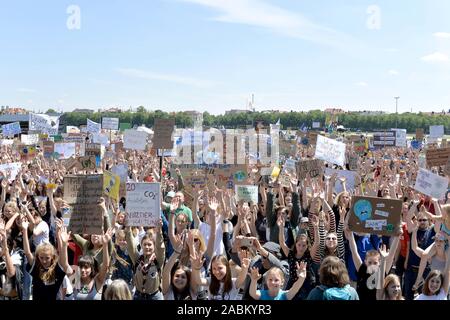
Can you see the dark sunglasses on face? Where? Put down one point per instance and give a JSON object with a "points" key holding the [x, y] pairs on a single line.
{"points": [[423, 220]]}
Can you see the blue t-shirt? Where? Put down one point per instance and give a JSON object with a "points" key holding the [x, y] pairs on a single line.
{"points": [[280, 296], [424, 240]]}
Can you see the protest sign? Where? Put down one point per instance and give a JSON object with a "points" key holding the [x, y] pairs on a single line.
{"points": [[374, 215], [312, 137], [135, 140], [100, 138], [11, 129], [431, 184], [285, 180], [27, 152], [348, 175], [163, 130], [93, 149], [316, 125], [447, 167], [10, 170], [143, 204], [437, 157], [384, 139], [359, 147], [6, 142], [400, 137], [64, 150], [311, 167], [330, 150], [48, 148], [29, 139], [110, 123], [44, 123], [443, 143], [92, 127], [415, 144], [82, 192], [290, 166], [436, 131], [72, 129], [353, 162], [75, 137], [419, 134], [288, 148], [247, 193], [111, 185]]}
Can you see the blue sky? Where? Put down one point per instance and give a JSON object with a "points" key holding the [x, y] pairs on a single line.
{"points": [[211, 55]]}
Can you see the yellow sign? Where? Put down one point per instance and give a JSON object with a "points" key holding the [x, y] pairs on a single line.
{"points": [[111, 185]]}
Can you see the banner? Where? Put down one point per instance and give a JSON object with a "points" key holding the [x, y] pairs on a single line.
{"points": [[330, 150], [64, 150], [143, 204], [11, 129], [110, 123], [348, 175], [44, 123], [10, 170], [431, 184], [163, 130], [436, 131], [135, 140], [111, 185], [437, 157], [82, 192], [29, 139], [374, 215], [247, 193], [311, 167], [92, 127]]}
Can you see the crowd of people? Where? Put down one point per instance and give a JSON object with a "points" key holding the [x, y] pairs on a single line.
{"points": [[295, 243]]}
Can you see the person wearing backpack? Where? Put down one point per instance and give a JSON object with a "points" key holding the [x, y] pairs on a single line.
{"points": [[334, 282]]}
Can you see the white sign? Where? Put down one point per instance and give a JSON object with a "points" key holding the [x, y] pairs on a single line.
{"points": [[135, 140], [431, 184], [400, 137], [110, 123], [72, 129], [11, 170], [5, 142], [143, 204], [316, 125], [348, 175], [29, 139], [247, 193], [44, 123], [11, 129], [93, 127], [100, 138], [65, 149], [436, 131], [330, 150], [121, 170]]}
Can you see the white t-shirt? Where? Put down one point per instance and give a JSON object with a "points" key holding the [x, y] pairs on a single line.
{"points": [[205, 230], [231, 295], [43, 237], [440, 296]]}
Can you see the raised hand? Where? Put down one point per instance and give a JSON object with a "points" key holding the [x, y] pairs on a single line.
{"points": [[174, 205], [280, 221], [245, 263], [107, 236], [255, 274], [64, 235], [384, 252], [213, 204], [24, 224], [301, 269]]}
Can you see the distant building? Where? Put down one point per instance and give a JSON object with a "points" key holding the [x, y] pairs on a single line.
{"points": [[83, 110], [8, 110], [113, 110], [236, 111], [334, 110], [370, 113]]}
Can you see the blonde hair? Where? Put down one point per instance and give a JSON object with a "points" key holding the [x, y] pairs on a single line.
{"points": [[49, 274], [118, 290], [185, 254], [276, 271], [387, 281]]}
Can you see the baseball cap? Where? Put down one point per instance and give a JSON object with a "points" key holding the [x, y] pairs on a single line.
{"points": [[304, 220]]}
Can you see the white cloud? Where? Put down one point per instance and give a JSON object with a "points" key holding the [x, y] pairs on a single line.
{"points": [[442, 35], [261, 14], [361, 84], [437, 57], [393, 72], [142, 74], [26, 90]]}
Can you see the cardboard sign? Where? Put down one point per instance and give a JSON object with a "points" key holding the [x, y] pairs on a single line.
{"points": [[375, 215], [419, 134], [11, 170], [312, 137], [247, 193], [82, 192], [81, 163], [93, 149], [348, 175], [313, 168], [288, 148], [111, 185], [436, 131], [135, 140], [437, 157], [27, 152], [163, 130], [48, 148], [431, 184], [110, 123], [353, 162], [44, 123], [384, 139], [29, 139], [143, 204], [92, 127], [11, 129], [330, 150]]}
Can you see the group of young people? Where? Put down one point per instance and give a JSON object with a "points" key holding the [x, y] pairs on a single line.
{"points": [[295, 243]]}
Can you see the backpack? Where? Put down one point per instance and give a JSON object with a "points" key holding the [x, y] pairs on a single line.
{"points": [[336, 293]]}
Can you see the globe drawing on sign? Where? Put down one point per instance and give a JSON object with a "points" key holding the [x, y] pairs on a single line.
{"points": [[363, 209], [240, 176]]}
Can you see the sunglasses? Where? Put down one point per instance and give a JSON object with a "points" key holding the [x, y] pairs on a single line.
{"points": [[423, 220]]}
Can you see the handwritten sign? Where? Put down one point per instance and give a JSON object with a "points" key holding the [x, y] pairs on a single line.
{"points": [[135, 140], [143, 204], [437, 157], [29, 139], [44, 123], [82, 192], [247, 193], [64, 150], [375, 215], [11, 129], [10, 170], [163, 130], [110, 123], [111, 185], [92, 126], [384, 139], [312, 168], [48, 148], [330, 150], [436, 131], [431, 184], [419, 134]]}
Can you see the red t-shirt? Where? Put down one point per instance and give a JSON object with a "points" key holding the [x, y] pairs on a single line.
{"points": [[404, 239]]}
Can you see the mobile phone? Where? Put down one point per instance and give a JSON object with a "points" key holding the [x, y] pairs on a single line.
{"points": [[246, 242]]}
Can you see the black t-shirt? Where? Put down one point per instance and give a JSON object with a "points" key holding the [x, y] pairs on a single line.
{"points": [[365, 294], [46, 291]]}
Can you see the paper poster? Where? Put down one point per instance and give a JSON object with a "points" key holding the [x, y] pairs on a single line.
{"points": [[316, 125], [384, 139], [400, 137], [82, 193], [348, 175], [11, 170], [101, 139], [330, 150], [431, 184], [436, 131], [11, 129], [163, 130], [143, 204], [247, 193], [135, 140], [29, 139], [48, 149], [44, 123], [93, 127], [110, 123], [374, 215], [310, 167], [419, 134], [64, 150], [111, 185], [437, 157]]}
